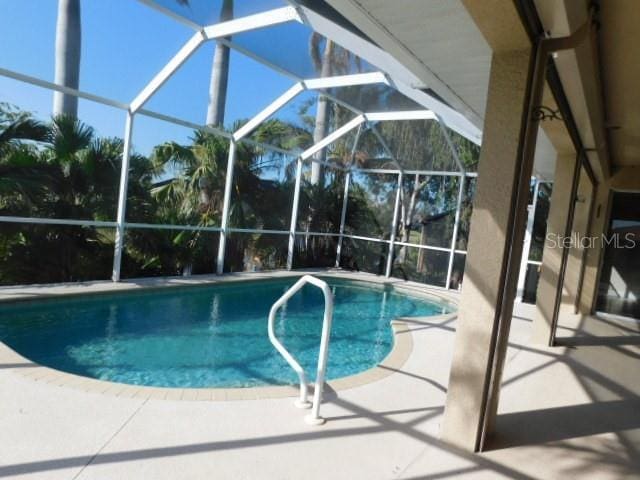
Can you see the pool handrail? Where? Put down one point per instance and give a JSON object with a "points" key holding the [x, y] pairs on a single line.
{"points": [[302, 402]]}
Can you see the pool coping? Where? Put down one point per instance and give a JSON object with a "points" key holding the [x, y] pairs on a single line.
{"points": [[399, 354]]}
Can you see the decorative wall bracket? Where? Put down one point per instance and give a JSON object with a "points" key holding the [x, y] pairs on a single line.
{"points": [[542, 113]]}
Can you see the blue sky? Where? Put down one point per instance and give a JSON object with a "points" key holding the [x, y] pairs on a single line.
{"points": [[124, 44]]}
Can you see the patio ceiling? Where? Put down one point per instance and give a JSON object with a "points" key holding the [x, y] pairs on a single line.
{"points": [[621, 76], [440, 43]]}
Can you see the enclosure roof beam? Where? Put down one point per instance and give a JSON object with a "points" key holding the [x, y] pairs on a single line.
{"points": [[297, 78], [251, 22], [346, 80], [269, 110], [400, 76], [212, 32], [455, 120], [184, 123], [167, 71], [60, 88], [332, 137], [148, 113], [310, 84], [401, 115]]}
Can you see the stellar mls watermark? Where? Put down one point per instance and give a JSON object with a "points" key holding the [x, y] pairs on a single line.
{"points": [[575, 240]]}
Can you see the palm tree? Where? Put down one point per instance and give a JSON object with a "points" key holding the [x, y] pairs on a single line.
{"points": [[323, 67], [219, 71], [194, 195], [16, 127], [333, 60], [60, 170], [219, 74], [19, 134], [68, 48]]}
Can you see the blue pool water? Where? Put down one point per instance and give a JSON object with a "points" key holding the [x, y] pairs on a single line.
{"points": [[213, 336]]}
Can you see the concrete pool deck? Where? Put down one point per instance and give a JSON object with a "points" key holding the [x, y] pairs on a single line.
{"points": [[33, 292], [385, 429]]}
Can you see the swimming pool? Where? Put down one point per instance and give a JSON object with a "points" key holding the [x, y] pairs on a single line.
{"points": [[208, 336]]}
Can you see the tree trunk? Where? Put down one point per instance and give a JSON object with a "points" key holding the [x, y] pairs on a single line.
{"points": [[219, 74], [322, 118], [406, 218], [422, 253], [68, 48]]}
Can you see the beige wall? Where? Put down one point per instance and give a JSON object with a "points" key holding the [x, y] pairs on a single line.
{"points": [[626, 179]]}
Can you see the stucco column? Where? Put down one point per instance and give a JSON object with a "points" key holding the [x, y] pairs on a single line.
{"points": [[487, 300], [561, 203]]}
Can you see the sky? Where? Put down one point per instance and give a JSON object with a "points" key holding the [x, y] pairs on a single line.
{"points": [[125, 43]]}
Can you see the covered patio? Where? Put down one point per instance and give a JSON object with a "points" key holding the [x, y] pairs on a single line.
{"points": [[533, 376]]}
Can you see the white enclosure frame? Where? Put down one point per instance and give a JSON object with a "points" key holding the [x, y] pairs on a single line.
{"points": [[391, 73]]}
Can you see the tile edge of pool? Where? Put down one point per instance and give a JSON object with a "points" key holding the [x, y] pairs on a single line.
{"points": [[27, 293]]}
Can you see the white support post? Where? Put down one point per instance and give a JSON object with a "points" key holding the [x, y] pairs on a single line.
{"points": [[294, 214], [226, 206], [526, 249], [454, 237], [343, 217], [122, 199], [394, 227], [345, 198], [456, 221]]}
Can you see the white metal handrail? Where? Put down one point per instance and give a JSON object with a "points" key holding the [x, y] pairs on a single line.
{"points": [[314, 418]]}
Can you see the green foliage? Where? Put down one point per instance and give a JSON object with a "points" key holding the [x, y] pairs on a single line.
{"points": [[55, 171], [63, 170]]}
